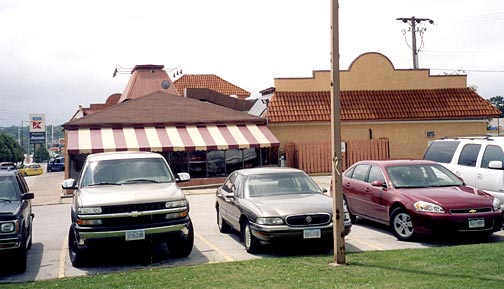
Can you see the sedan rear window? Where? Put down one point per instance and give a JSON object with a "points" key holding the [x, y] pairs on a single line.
{"points": [[360, 172]]}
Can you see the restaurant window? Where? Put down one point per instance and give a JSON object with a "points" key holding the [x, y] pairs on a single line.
{"points": [[198, 164], [234, 160], [178, 162], [216, 163], [270, 156], [251, 158]]}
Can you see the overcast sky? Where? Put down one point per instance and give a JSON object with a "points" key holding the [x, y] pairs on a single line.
{"points": [[56, 55]]}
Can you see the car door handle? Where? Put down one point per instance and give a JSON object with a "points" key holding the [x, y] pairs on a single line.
{"points": [[479, 176]]}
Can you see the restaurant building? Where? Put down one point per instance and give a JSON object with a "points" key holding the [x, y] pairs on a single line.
{"points": [[199, 137]]}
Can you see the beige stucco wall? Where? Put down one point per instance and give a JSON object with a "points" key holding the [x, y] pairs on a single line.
{"points": [[372, 71], [406, 139]]}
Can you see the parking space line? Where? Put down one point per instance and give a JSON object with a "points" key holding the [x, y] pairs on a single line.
{"points": [[226, 256], [62, 259], [365, 243]]}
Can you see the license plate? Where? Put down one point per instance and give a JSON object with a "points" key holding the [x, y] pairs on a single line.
{"points": [[311, 233], [135, 235], [476, 223]]}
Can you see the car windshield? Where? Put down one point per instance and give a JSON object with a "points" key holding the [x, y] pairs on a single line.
{"points": [[280, 184], [126, 171], [7, 189], [422, 176]]}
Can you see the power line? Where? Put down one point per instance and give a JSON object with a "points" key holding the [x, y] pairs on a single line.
{"points": [[413, 21], [469, 70]]}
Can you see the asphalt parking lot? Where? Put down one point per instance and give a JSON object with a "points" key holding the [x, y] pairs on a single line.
{"points": [[48, 258]]}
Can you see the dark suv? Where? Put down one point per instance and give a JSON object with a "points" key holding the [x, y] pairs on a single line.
{"points": [[16, 218], [56, 164]]}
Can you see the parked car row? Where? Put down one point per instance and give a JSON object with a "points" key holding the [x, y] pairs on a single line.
{"points": [[134, 197]]}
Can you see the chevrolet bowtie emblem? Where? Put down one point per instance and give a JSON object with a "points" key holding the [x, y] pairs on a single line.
{"points": [[135, 214], [472, 211]]}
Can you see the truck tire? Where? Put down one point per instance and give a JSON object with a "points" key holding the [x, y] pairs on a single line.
{"points": [[75, 253], [181, 248]]}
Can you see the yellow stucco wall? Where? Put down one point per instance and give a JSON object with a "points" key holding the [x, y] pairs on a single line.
{"points": [[372, 71], [406, 139]]}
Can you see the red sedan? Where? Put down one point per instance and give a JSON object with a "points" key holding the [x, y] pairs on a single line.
{"points": [[418, 197]]}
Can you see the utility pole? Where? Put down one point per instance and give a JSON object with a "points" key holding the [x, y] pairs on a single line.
{"points": [[413, 21], [337, 188]]}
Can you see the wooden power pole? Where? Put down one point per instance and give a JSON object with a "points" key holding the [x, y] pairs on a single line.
{"points": [[337, 188]]}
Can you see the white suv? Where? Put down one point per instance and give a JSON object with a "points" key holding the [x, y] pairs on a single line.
{"points": [[479, 161]]}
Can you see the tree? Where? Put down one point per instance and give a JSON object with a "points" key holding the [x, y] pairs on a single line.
{"points": [[41, 154], [10, 151], [498, 102]]}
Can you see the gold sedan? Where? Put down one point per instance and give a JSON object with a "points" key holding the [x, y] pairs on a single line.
{"points": [[30, 169]]}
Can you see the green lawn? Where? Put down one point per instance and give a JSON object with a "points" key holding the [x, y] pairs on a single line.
{"points": [[465, 266]]}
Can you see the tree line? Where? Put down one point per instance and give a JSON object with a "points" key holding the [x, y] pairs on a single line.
{"points": [[11, 151]]}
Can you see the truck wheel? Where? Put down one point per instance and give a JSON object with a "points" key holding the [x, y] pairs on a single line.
{"points": [[75, 253], [181, 248], [20, 262]]}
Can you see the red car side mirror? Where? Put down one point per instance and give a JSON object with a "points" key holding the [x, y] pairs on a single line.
{"points": [[378, 184]]}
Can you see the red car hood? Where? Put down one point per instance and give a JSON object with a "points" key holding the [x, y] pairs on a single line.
{"points": [[452, 197]]}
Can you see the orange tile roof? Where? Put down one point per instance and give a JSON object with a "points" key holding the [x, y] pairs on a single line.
{"points": [[380, 105], [210, 81]]}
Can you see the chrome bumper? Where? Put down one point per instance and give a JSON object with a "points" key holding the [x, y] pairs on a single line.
{"points": [[83, 236], [285, 228], [267, 233]]}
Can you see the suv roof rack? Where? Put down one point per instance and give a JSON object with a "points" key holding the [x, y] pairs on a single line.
{"points": [[485, 137]]}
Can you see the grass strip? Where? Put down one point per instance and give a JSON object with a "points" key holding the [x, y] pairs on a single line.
{"points": [[465, 266]]}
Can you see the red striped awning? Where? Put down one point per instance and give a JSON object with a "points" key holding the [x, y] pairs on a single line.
{"points": [[169, 138]]}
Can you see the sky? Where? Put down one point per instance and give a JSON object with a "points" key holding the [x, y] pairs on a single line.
{"points": [[57, 54]]}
